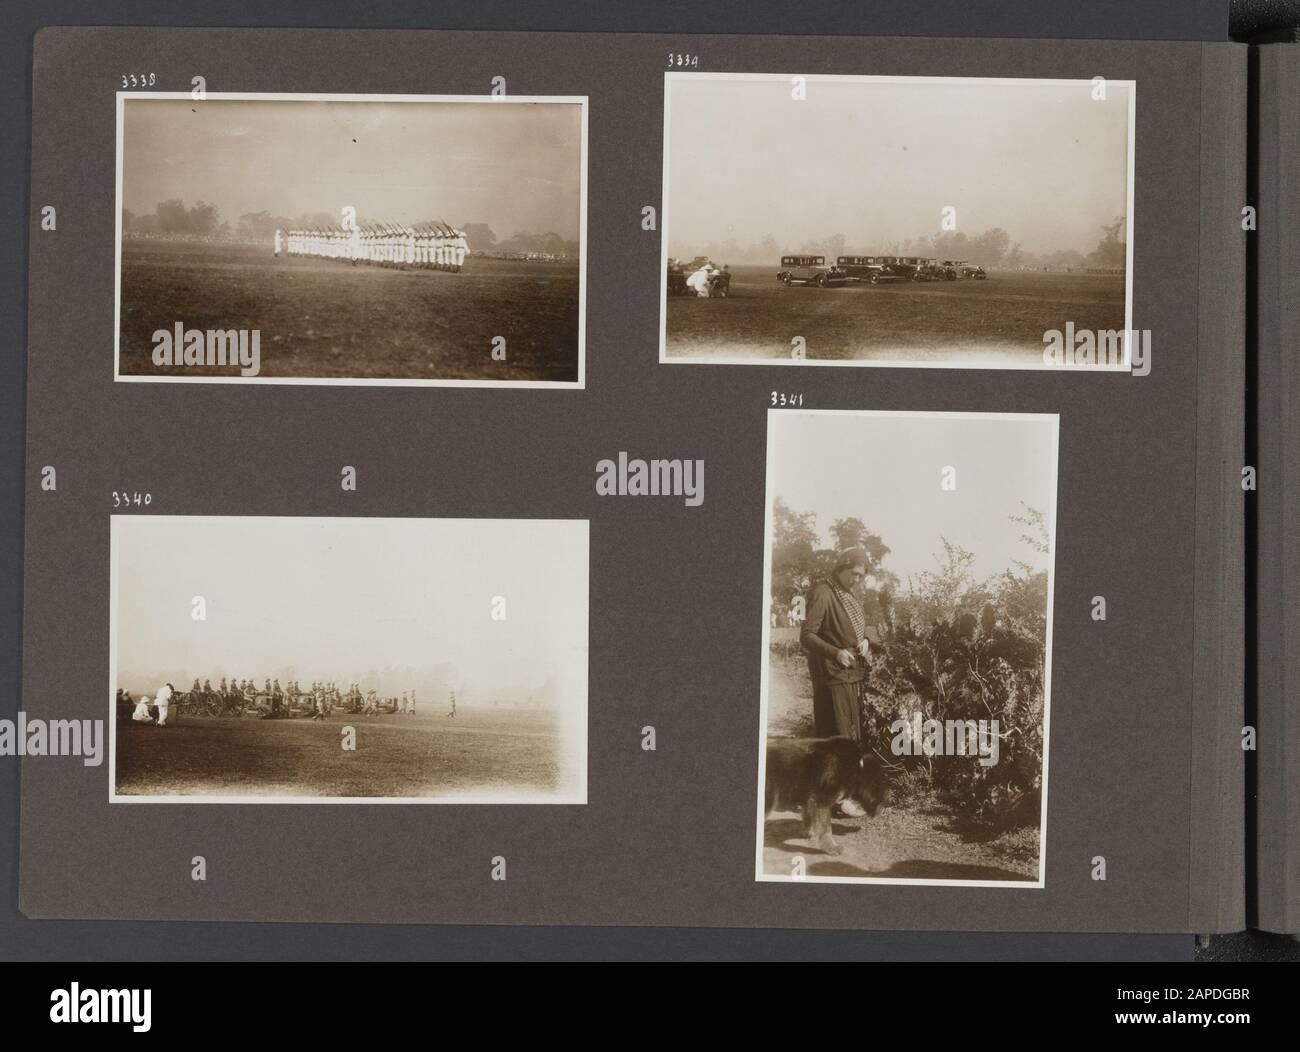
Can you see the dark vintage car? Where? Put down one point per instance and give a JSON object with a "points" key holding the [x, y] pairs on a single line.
{"points": [[960, 268], [933, 270], [915, 268], [871, 269], [679, 271], [879, 269], [809, 270]]}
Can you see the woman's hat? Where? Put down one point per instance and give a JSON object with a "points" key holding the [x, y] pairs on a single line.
{"points": [[850, 557]]}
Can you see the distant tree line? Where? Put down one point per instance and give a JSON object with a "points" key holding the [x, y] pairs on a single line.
{"points": [[202, 220], [992, 249]]}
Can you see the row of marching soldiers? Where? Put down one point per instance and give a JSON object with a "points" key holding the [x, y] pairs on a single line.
{"points": [[428, 245]]}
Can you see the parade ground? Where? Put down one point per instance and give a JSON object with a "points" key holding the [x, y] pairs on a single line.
{"points": [[483, 751], [331, 318], [999, 321]]}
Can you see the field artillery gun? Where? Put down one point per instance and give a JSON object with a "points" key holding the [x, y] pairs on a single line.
{"points": [[200, 703]]}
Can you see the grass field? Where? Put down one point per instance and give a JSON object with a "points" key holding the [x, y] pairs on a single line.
{"points": [[503, 754], [999, 321], [327, 318]]}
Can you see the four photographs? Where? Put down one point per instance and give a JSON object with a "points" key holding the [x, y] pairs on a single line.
{"points": [[431, 240], [949, 222]]}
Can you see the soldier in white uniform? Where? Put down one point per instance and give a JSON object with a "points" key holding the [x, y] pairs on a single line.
{"points": [[141, 713], [277, 241]]}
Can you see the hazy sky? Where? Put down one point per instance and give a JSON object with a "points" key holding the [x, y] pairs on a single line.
{"points": [[878, 160], [338, 597], [513, 165], [886, 471]]}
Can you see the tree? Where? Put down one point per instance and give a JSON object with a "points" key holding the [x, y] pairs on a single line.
{"points": [[794, 538], [950, 244], [261, 225], [173, 217], [203, 218], [989, 247], [1111, 251], [853, 533], [480, 237]]}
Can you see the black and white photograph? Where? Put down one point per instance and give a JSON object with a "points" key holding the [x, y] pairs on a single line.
{"points": [[270, 659], [941, 222], [906, 673], [351, 239]]}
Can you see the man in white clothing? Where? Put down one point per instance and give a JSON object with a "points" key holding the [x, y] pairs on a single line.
{"points": [[699, 281], [163, 700]]}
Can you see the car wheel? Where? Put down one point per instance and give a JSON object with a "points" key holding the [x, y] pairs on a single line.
{"points": [[785, 279], [821, 281]]}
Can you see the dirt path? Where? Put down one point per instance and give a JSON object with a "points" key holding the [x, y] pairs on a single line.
{"points": [[899, 843]]}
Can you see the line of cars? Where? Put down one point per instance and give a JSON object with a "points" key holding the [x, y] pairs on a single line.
{"points": [[873, 270]]}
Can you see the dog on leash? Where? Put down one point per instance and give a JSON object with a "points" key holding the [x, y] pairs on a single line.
{"points": [[814, 774]]}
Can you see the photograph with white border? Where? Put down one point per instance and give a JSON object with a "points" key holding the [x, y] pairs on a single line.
{"points": [[932, 222], [394, 240], [907, 638], [268, 659]]}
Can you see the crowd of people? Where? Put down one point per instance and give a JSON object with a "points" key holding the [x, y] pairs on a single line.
{"points": [[425, 245]]}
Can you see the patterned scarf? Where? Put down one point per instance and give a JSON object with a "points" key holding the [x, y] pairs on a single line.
{"points": [[851, 604]]}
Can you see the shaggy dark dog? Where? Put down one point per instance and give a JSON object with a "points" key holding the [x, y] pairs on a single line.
{"points": [[814, 774]]}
